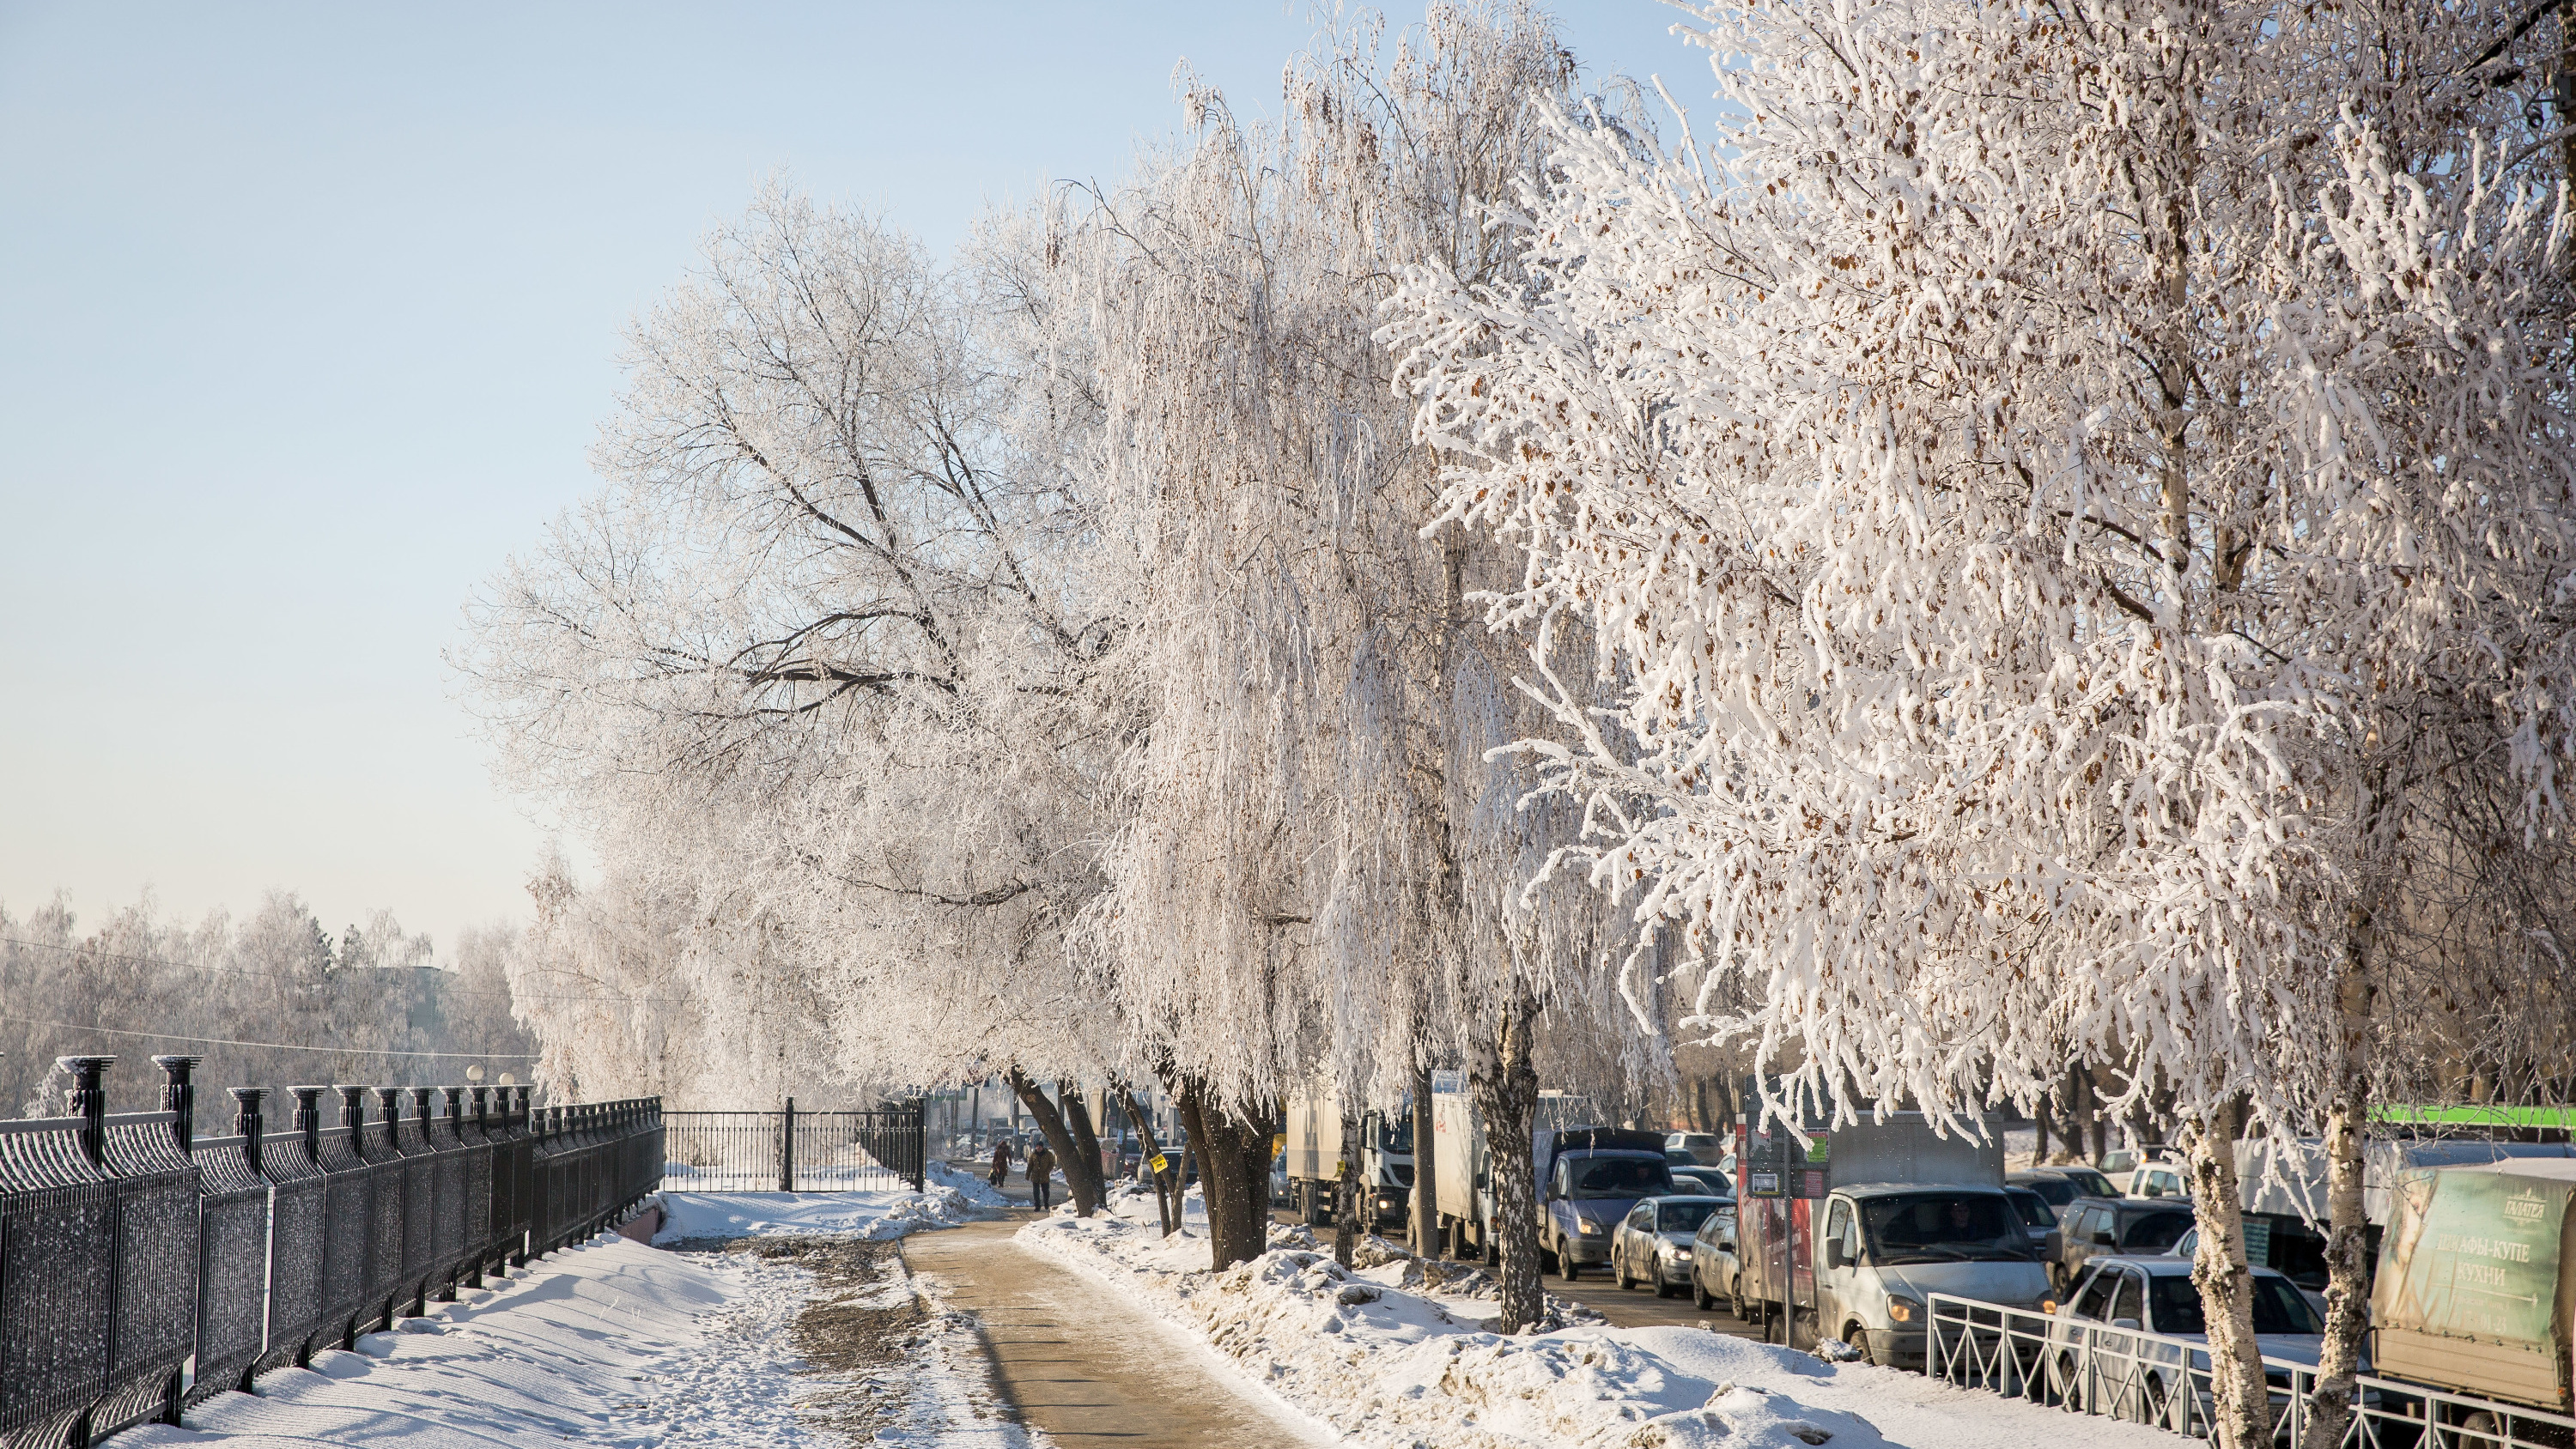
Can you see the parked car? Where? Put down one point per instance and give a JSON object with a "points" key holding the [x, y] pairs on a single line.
{"points": [[1700, 1149], [2159, 1179], [1283, 1193], [2283, 1242], [2127, 1374], [1716, 1277], [2100, 1227], [1595, 1176], [1703, 1179], [2039, 1220], [2062, 1185], [1652, 1245]]}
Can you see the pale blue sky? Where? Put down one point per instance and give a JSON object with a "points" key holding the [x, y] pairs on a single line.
{"points": [[307, 315]]}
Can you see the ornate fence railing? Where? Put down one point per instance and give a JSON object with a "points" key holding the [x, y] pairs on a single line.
{"points": [[143, 1269], [793, 1151], [2117, 1372]]}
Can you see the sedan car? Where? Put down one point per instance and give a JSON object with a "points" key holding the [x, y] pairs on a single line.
{"points": [[1699, 1148], [1716, 1274], [2062, 1185], [2039, 1220], [2132, 1341], [1706, 1180], [2101, 1227], [1652, 1244]]}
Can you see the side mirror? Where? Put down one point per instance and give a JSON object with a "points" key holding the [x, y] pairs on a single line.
{"points": [[2124, 1323], [1835, 1256], [2102, 1238]]}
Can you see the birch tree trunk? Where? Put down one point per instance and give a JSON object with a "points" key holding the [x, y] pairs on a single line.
{"points": [[1346, 1193], [1081, 1174], [2241, 1408], [1051, 1125], [1426, 1203], [1149, 1150], [2347, 1230], [1504, 1080]]}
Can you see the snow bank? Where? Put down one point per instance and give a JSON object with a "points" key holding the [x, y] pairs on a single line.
{"points": [[690, 1216], [1412, 1367]]}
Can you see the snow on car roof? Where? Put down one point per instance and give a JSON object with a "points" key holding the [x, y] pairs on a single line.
{"points": [[1884, 1189]]}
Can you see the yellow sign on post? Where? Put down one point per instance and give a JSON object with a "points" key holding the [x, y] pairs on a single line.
{"points": [[1160, 1163]]}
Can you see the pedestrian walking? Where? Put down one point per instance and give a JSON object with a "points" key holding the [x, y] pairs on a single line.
{"points": [[1041, 1167], [1001, 1161]]}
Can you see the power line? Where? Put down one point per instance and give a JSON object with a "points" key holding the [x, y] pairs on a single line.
{"points": [[284, 1046], [303, 980]]}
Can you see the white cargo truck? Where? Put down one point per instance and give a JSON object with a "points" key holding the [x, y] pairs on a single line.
{"points": [[1462, 1178], [1314, 1153], [1845, 1235]]}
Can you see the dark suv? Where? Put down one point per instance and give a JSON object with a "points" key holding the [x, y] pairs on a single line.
{"points": [[2098, 1226]]}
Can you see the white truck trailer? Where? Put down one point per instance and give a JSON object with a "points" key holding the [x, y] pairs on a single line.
{"points": [[1462, 1178], [1315, 1151]]}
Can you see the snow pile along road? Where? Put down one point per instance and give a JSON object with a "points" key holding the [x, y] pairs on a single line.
{"points": [[1390, 1361], [952, 1198]]}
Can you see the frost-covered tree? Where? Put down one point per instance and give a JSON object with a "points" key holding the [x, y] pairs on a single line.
{"points": [[268, 1000], [813, 665], [2022, 473], [1318, 881]]}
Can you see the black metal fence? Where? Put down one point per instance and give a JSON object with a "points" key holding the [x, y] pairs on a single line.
{"points": [[143, 1269], [792, 1151]]}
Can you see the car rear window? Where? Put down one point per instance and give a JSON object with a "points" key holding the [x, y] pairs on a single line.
{"points": [[2278, 1308], [1682, 1217], [2057, 1190], [2034, 1208], [2156, 1232]]}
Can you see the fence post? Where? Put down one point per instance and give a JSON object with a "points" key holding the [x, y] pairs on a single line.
{"points": [[89, 1103], [248, 1125], [179, 1095], [921, 1144], [787, 1148]]}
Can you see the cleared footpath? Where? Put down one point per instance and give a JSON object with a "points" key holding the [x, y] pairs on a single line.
{"points": [[1086, 1368]]}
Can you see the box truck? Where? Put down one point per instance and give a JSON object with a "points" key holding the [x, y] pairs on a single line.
{"points": [[1314, 1153], [1846, 1234], [1574, 1161]]}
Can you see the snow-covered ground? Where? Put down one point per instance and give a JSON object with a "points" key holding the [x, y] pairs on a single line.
{"points": [[952, 1197], [616, 1343], [1388, 1361]]}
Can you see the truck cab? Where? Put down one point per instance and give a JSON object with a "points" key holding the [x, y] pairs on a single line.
{"points": [[1885, 1247]]}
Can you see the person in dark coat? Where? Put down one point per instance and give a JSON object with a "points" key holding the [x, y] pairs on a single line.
{"points": [[1041, 1167], [1001, 1160]]}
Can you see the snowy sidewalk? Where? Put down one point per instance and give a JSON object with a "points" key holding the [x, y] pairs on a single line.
{"points": [[611, 1342], [1086, 1366], [616, 1343]]}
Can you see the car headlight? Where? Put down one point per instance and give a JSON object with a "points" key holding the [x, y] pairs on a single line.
{"points": [[1902, 1310], [2048, 1306], [1681, 1255], [1590, 1228]]}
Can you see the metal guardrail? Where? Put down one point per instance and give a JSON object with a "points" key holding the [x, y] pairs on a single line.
{"points": [[143, 1269], [793, 1151], [2157, 1379]]}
